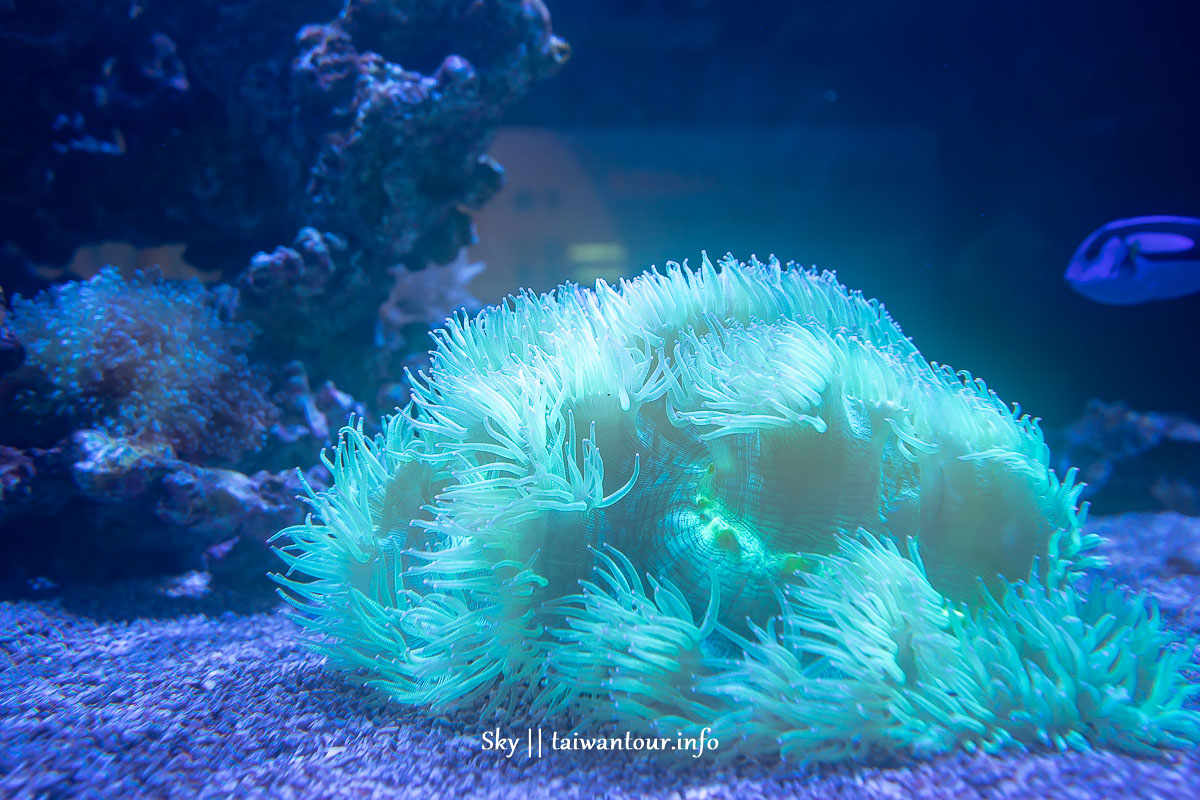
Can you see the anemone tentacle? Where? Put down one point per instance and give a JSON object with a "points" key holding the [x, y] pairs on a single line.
{"points": [[735, 497]]}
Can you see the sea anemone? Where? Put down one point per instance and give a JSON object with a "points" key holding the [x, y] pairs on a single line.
{"points": [[736, 498], [143, 358]]}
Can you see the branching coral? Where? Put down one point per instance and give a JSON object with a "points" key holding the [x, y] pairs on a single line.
{"points": [[144, 358], [737, 498]]}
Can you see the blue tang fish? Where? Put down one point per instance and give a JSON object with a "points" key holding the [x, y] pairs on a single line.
{"points": [[1136, 260]]}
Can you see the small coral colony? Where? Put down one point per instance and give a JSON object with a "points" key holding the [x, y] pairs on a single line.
{"points": [[737, 498]]}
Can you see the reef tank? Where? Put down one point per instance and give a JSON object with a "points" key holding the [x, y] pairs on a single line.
{"points": [[566, 398]]}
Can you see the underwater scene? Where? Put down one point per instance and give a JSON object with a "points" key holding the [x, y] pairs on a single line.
{"points": [[670, 399]]}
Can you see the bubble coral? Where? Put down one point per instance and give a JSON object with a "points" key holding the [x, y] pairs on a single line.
{"points": [[144, 358], [737, 498]]}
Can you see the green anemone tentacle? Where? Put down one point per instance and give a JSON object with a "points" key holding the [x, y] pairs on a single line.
{"points": [[735, 497]]}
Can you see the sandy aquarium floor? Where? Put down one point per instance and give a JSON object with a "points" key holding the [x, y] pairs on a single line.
{"points": [[120, 692]]}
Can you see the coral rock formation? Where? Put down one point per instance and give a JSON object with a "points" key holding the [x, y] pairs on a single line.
{"points": [[107, 508], [357, 132]]}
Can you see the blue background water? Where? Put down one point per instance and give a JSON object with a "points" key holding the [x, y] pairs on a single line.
{"points": [[946, 157]]}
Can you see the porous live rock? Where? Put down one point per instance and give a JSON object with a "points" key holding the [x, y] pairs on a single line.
{"points": [[367, 121], [97, 508]]}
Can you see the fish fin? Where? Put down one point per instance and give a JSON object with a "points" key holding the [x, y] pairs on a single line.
{"points": [[1151, 243]]}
